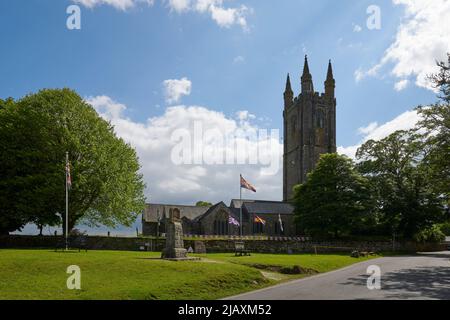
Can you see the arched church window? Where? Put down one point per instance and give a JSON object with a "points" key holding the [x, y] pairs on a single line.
{"points": [[258, 228], [220, 227], [279, 229]]}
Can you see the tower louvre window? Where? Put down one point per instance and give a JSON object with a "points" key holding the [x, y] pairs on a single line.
{"points": [[293, 125], [320, 119]]}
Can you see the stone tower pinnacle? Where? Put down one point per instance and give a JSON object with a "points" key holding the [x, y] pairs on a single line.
{"points": [[307, 83], [330, 83], [288, 93]]}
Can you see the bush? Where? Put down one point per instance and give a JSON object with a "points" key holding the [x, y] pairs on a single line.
{"points": [[445, 228], [432, 234], [77, 233]]}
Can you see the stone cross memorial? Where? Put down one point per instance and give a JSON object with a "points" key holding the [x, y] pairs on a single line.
{"points": [[174, 237]]}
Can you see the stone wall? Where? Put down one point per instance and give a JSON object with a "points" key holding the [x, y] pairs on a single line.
{"points": [[262, 246], [49, 242]]}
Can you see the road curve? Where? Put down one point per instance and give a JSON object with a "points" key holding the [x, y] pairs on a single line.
{"points": [[423, 276]]}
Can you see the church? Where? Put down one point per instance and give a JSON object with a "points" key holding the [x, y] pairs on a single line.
{"points": [[309, 131]]}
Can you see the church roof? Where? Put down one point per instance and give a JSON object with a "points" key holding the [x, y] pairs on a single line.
{"points": [[195, 213], [220, 205], [190, 212], [236, 203], [263, 207]]}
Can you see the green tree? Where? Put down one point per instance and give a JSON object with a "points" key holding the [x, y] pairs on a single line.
{"points": [[10, 218], [203, 204], [35, 133], [435, 130], [406, 202], [335, 199]]}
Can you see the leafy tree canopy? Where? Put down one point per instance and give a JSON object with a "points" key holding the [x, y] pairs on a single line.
{"points": [[406, 202], [435, 130], [35, 133], [203, 204], [334, 200]]}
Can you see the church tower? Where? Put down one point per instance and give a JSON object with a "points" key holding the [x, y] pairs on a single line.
{"points": [[309, 128]]}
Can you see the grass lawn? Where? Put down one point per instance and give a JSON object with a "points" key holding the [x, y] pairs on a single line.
{"points": [[41, 274], [320, 263]]}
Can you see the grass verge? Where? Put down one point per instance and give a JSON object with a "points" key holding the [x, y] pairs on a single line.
{"points": [[119, 275]]}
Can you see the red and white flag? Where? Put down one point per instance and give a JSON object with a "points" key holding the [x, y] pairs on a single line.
{"points": [[68, 176], [246, 185]]}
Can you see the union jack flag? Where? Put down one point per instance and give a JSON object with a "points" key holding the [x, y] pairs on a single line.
{"points": [[246, 185], [233, 221]]}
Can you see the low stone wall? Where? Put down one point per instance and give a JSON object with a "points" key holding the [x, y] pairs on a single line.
{"points": [[318, 247], [92, 242], [218, 246]]}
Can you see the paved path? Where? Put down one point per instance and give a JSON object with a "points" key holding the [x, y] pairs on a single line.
{"points": [[425, 276]]}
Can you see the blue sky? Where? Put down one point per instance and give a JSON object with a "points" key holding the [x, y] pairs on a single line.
{"points": [[126, 49], [127, 55]]}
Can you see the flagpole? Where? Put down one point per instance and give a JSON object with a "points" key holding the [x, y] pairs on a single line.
{"points": [[240, 200], [67, 204]]}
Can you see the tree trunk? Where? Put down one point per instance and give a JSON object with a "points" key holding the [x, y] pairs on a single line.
{"points": [[70, 226]]}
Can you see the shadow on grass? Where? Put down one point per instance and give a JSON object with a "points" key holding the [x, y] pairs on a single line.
{"points": [[68, 251], [149, 258]]}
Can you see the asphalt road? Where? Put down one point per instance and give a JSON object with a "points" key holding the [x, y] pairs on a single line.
{"points": [[424, 276]]}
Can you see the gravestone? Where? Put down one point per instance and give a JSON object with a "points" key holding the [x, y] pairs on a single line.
{"points": [[174, 237], [199, 247]]}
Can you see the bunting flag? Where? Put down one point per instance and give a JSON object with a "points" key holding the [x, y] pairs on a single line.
{"points": [[260, 220], [233, 221], [68, 176], [246, 185], [281, 223]]}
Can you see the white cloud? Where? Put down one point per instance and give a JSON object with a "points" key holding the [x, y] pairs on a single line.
{"points": [[118, 4], [186, 184], [373, 131], [180, 5], [348, 151], [244, 115], [204, 5], [369, 129], [422, 38], [106, 107], [225, 17], [176, 88], [401, 85], [357, 28], [359, 75]]}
